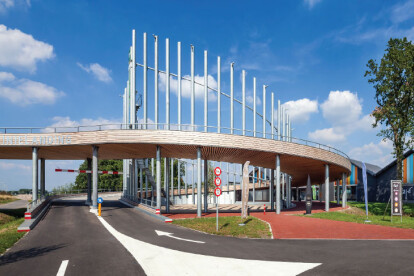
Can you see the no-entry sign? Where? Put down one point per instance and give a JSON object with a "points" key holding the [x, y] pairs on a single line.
{"points": [[217, 191], [217, 171], [217, 181]]}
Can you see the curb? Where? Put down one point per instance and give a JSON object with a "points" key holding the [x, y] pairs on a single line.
{"points": [[159, 217], [29, 224]]}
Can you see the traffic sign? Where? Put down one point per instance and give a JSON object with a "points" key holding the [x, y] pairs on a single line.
{"points": [[217, 171], [217, 181], [217, 191], [100, 200]]}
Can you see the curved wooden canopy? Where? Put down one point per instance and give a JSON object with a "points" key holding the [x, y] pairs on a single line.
{"points": [[295, 159]]}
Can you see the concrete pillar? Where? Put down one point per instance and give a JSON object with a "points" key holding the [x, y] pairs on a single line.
{"points": [[42, 177], [288, 191], [277, 184], [166, 183], [337, 191], [344, 194], [297, 194], [327, 188], [95, 177], [205, 185], [172, 180], [254, 182], [271, 192], [158, 180], [35, 173], [199, 182], [89, 182], [141, 181]]}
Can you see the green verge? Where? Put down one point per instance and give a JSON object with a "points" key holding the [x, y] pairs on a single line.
{"points": [[229, 226], [9, 221], [375, 215], [4, 200]]}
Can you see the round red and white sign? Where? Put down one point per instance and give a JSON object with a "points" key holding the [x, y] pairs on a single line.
{"points": [[217, 181], [217, 171], [217, 191]]}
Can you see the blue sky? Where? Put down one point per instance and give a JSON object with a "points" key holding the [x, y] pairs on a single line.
{"points": [[65, 63]]}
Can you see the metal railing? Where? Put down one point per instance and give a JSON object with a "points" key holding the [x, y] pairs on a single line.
{"points": [[170, 127]]}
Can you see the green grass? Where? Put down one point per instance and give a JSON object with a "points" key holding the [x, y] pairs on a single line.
{"points": [[229, 226], [9, 221], [375, 215]]}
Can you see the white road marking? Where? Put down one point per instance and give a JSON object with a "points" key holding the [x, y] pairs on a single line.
{"points": [[156, 260], [161, 233], [62, 268]]}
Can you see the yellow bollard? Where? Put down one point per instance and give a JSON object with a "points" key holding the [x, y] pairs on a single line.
{"points": [[99, 209]]}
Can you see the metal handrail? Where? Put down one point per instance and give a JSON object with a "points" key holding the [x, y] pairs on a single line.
{"points": [[163, 126]]}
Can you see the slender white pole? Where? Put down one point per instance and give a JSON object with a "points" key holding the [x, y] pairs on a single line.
{"points": [[156, 87], [179, 83], [277, 175], [158, 177], [278, 120], [244, 101], [133, 88], [167, 83], [254, 107], [192, 88], [283, 125], [327, 188], [205, 92], [272, 114], [145, 88], [232, 98], [218, 95], [199, 193], [264, 111]]}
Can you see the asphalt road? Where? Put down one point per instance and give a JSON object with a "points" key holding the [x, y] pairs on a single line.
{"points": [[70, 232], [18, 204]]}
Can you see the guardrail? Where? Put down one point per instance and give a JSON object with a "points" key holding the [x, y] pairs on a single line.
{"points": [[171, 127]]}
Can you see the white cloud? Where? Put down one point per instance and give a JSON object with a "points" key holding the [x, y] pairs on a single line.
{"points": [[341, 107], [186, 86], [402, 12], [378, 154], [249, 100], [21, 51], [5, 5], [98, 71], [4, 165], [311, 3], [327, 135], [25, 92], [67, 122], [300, 110]]}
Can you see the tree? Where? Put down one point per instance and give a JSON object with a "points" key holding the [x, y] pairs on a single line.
{"points": [[105, 181], [393, 81]]}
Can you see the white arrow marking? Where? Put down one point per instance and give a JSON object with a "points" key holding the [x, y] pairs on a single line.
{"points": [[149, 257], [161, 233]]}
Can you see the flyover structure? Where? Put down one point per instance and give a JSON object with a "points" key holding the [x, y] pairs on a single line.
{"points": [[143, 135]]}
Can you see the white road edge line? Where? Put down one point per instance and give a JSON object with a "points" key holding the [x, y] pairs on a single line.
{"points": [[149, 257], [62, 268]]}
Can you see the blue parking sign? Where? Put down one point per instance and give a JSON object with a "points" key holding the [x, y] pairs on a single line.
{"points": [[100, 200]]}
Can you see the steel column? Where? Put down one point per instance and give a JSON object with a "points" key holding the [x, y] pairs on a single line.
{"points": [[167, 83], [42, 177], [344, 194], [244, 101], [172, 180], [199, 182], [327, 188], [141, 184], [193, 182], [272, 114], [192, 88], [95, 177], [156, 85], [277, 184], [271, 193], [145, 80], [166, 182], [278, 120], [337, 192], [232, 98], [205, 93], [158, 177], [264, 111], [89, 182], [35, 173], [218, 95], [179, 177], [205, 185], [254, 107], [179, 83]]}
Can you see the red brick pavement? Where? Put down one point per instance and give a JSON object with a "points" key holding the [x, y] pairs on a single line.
{"points": [[288, 226]]}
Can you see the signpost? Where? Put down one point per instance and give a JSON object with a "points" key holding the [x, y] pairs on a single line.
{"points": [[100, 201], [396, 198], [217, 191]]}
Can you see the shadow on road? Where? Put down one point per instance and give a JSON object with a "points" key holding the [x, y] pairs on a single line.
{"points": [[28, 253]]}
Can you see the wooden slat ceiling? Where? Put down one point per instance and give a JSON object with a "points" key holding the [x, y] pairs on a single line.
{"points": [[295, 159]]}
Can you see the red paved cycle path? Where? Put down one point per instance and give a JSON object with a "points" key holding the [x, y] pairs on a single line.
{"points": [[288, 226]]}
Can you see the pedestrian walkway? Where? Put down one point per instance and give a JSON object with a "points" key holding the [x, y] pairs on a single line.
{"points": [[288, 225]]}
